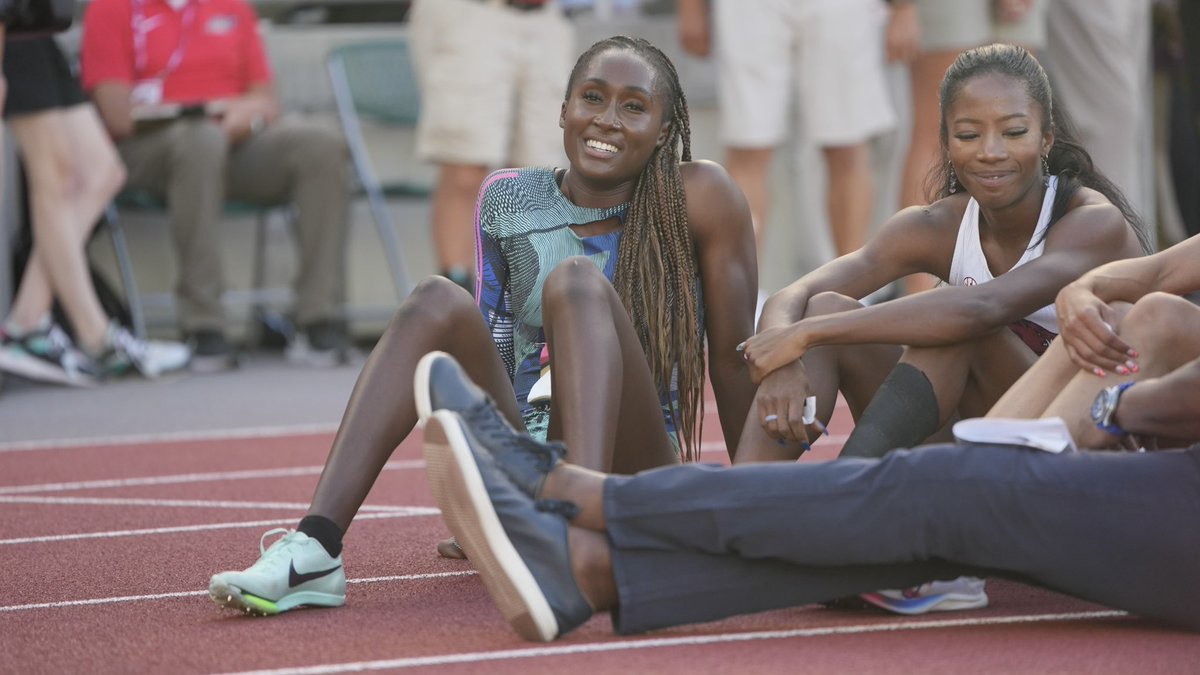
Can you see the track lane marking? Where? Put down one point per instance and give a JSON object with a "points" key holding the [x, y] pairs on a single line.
{"points": [[249, 433], [404, 512], [170, 437], [698, 640], [175, 479], [191, 594], [195, 503]]}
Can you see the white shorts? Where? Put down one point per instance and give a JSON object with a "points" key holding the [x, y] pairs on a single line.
{"points": [[492, 80], [826, 55], [957, 25]]}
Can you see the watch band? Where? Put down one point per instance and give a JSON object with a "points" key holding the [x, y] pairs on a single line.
{"points": [[1106, 423]]}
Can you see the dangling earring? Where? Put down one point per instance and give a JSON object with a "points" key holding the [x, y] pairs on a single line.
{"points": [[1045, 171], [953, 178]]}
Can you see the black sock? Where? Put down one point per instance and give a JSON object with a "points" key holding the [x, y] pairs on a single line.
{"points": [[903, 413], [324, 531]]}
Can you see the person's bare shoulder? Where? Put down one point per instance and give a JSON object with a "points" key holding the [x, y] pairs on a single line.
{"points": [[714, 200]]}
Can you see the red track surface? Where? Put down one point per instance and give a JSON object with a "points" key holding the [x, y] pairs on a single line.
{"points": [[107, 550]]}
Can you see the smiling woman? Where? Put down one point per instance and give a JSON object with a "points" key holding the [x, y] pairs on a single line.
{"points": [[610, 274], [1019, 212]]}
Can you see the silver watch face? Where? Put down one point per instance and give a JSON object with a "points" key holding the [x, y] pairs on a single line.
{"points": [[1102, 404]]}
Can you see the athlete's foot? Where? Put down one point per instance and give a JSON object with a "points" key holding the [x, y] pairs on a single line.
{"points": [[449, 548]]}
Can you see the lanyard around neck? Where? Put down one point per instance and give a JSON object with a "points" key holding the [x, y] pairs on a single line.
{"points": [[138, 25]]}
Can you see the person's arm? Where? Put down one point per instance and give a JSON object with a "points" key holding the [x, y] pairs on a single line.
{"points": [[902, 38], [107, 63], [1164, 406], [1010, 11], [719, 220], [258, 106], [695, 26], [911, 241], [1085, 237], [247, 114], [1085, 315], [115, 108]]}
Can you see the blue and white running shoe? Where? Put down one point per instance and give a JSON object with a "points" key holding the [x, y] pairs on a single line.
{"points": [[935, 596]]}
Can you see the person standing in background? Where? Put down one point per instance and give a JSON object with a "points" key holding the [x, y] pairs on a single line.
{"points": [[827, 57], [1098, 59], [491, 74], [73, 172]]}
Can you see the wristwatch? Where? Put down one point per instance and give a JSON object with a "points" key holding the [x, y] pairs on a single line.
{"points": [[1104, 408]]}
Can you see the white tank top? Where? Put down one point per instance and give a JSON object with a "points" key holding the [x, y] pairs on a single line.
{"points": [[969, 267]]}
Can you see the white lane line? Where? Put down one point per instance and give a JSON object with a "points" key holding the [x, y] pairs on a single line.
{"points": [[170, 437], [190, 594], [193, 503], [698, 640], [408, 512], [251, 474]]}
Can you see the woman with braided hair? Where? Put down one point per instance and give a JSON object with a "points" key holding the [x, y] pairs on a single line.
{"points": [[609, 275]]}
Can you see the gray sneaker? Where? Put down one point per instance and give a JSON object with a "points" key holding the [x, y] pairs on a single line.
{"points": [[440, 383]]}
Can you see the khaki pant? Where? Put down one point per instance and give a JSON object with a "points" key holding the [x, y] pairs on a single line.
{"points": [[191, 164]]}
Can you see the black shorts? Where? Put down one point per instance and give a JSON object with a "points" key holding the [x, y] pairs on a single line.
{"points": [[38, 77]]}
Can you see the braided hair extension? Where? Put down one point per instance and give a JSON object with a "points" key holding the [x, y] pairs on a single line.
{"points": [[1068, 159], [656, 271]]}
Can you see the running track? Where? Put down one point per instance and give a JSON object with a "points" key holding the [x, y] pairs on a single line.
{"points": [[106, 549]]}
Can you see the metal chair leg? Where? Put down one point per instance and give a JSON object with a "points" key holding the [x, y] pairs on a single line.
{"points": [[125, 265]]}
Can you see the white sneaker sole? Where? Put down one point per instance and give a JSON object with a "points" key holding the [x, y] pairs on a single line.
{"points": [[231, 597], [945, 602], [33, 368], [459, 491], [421, 386]]}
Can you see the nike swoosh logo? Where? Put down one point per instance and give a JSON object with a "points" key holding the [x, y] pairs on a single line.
{"points": [[295, 578]]}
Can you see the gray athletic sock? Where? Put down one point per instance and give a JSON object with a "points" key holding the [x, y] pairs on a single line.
{"points": [[903, 413]]}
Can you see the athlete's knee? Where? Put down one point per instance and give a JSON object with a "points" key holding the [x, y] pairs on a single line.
{"points": [[1159, 317], [574, 282], [436, 301]]}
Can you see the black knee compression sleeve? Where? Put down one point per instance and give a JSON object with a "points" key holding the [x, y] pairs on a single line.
{"points": [[903, 413]]}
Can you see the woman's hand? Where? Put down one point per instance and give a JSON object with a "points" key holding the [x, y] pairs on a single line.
{"points": [[773, 349], [902, 38], [1086, 326], [780, 403], [695, 33]]}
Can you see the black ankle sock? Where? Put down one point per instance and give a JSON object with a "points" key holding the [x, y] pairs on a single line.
{"points": [[903, 413], [324, 531]]}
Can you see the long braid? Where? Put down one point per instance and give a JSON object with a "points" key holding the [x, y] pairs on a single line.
{"points": [[656, 271]]}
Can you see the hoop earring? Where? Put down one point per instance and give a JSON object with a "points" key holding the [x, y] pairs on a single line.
{"points": [[1045, 171], [953, 178]]}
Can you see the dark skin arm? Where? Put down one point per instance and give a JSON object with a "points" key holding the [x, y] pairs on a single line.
{"points": [[719, 221], [1164, 406], [1090, 234], [1086, 317]]}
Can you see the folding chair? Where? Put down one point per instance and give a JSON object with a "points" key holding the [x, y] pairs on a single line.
{"points": [[258, 296], [375, 80]]}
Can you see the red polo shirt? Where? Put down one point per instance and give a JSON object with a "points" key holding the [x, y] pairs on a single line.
{"points": [[221, 56]]}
